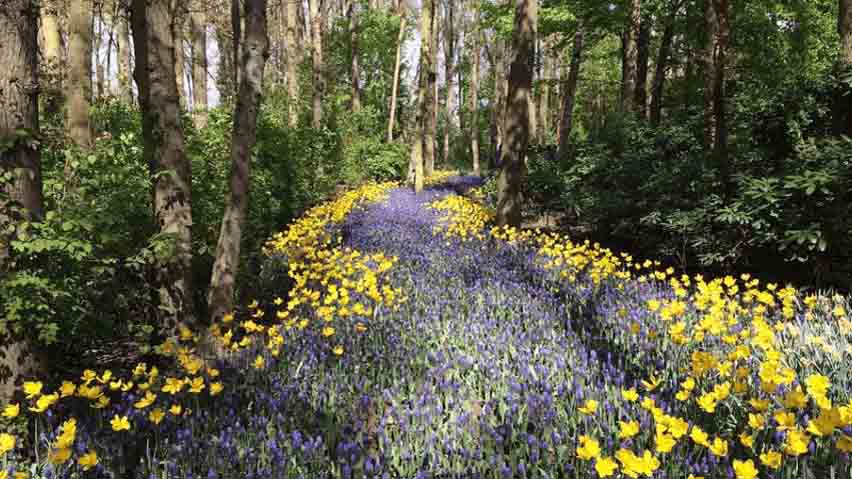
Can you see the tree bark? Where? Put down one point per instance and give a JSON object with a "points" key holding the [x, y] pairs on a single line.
{"points": [[79, 75], [355, 68], [294, 59], [843, 98], [19, 157], [631, 57], [122, 55], [165, 151], [396, 67], [255, 53], [544, 97], [317, 19], [52, 70], [424, 99], [429, 143], [180, 54], [643, 46], [716, 133], [236, 42], [449, 69], [98, 29], [657, 91], [473, 96], [513, 169], [570, 93], [198, 33]]}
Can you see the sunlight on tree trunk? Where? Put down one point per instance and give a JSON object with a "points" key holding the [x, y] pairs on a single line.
{"points": [[424, 98], [22, 196], [198, 31], [294, 60], [473, 96], [52, 69], [255, 53], [79, 75], [317, 19], [165, 152], [355, 69], [631, 58], [396, 70], [513, 169]]}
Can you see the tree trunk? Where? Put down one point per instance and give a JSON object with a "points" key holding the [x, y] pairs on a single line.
{"points": [[255, 52], [79, 75], [122, 55], [21, 159], [473, 96], [52, 69], [843, 98], [164, 149], [449, 69], [180, 57], [657, 90], [98, 28], [317, 19], [236, 42], [513, 169], [715, 129], [431, 94], [354, 67], [641, 94], [544, 97], [570, 93], [631, 58], [396, 67], [294, 59], [424, 96], [198, 32]]}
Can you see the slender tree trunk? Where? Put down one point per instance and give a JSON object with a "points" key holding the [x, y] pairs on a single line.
{"points": [[236, 42], [294, 59], [570, 93], [180, 57], [424, 96], [19, 86], [449, 69], [432, 95], [98, 28], [79, 75], [631, 58], [164, 149], [661, 67], [317, 19], [715, 128], [497, 112], [198, 29], [122, 55], [396, 67], [544, 97], [711, 25], [473, 96], [354, 67], [512, 172], [641, 94], [52, 70], [843, 98], [255, 53]]}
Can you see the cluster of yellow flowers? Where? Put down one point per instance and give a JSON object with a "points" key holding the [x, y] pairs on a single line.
{"points": [[100, 389], [739, 343], [440, 176], [324, 276], [310, 232], [330, 282], [464, 218]]}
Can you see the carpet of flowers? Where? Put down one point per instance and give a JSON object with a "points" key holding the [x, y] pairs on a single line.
{"points": [[413, 339]]}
